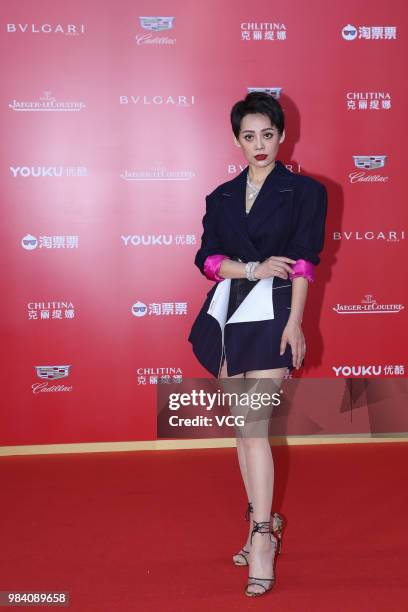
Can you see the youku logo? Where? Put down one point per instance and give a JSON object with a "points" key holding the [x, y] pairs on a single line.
{"points": [[275, 92], [368, 162], [159, 240], [364, 371], [368, 305], [155, 24], [48, 171], [51, 373]]}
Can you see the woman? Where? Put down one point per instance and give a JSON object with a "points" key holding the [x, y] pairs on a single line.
{"points": [[263, 232]]}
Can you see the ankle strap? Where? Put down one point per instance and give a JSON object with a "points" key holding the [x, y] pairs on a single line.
{"points": [[261, 527], [249, 511]]}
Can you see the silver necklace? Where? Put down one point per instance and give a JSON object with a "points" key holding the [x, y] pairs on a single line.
{"points": [[254, 190]]}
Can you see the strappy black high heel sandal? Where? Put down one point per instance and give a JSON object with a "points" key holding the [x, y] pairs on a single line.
{"points": [[263, 527], [277, 522]]}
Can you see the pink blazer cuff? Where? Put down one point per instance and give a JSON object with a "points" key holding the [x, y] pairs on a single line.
{"points": [[303, 268], [212, 266]]}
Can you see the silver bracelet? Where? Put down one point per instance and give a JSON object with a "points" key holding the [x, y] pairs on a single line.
{"points": [[250, 269]]}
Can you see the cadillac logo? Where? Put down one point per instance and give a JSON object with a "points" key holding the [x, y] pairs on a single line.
{"points": [[52, 372], [157, 24], [369, 162], [272, 91]]}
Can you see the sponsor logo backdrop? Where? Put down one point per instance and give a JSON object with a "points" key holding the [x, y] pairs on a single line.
{"points": [[116, 126]]}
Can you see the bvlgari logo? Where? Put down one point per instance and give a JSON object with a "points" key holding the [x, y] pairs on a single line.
{"points": [[390, 236], [158, 100], [69, 29], [52, 372], [155, 24], [272, 91], [369, 163], [46, 103], [368, 305]]}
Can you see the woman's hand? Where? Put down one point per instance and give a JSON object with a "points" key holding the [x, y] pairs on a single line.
{"points": [[293, 335], [274, 266]]}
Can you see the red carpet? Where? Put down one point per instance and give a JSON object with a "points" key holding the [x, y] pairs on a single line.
{"points": [[155, 531]]}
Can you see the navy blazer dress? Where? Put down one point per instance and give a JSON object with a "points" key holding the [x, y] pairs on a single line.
{"points": [[287, 219]]}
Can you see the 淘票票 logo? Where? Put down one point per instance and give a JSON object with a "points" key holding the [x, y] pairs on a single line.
{"points": [[30, 242], [377, 32], [349, 32], [368, 305], [140, 309]]}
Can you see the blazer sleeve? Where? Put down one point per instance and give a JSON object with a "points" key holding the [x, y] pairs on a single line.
{"points": [[210, 242], [307, 238]]}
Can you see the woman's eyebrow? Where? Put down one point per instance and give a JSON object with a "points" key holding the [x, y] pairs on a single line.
{"points": [[253, 131]]}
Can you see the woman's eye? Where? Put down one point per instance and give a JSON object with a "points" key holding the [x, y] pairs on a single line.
{"points": [[269, 135], [248, 137]]}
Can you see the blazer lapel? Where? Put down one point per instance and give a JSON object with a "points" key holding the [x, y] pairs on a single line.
{"points": [[277, 191], [233, 205]]}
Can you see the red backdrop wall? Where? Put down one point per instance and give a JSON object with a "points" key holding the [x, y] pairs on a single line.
{"points": [[116, 125]]}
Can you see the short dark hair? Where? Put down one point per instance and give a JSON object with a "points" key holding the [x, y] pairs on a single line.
{"points": [[257, 102]]}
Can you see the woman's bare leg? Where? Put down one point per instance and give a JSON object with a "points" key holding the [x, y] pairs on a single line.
{"points": [[260, 476], [242, 467]]}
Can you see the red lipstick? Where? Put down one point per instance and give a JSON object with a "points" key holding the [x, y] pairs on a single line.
{"points": [[260, 157]]}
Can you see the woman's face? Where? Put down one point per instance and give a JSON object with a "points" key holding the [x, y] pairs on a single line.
{"points": [[259, 140]]}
